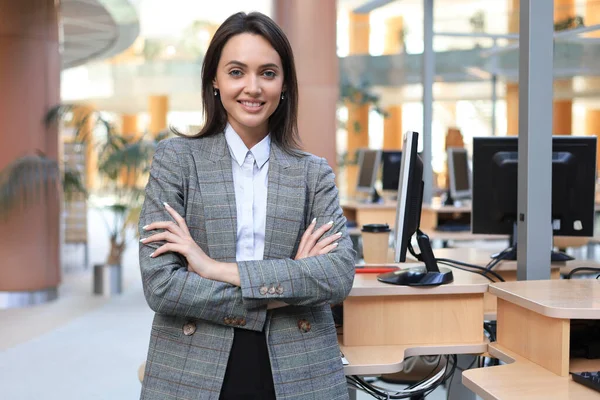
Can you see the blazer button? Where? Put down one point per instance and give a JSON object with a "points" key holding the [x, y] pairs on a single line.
{"points": [[272, 290], [227, 321], [304, 325], [263, 290], [189, 329], [279, 289], [242, 322]]}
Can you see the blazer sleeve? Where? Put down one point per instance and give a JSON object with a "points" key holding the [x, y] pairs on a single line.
{"points": [[169, 287], [312, 281]]}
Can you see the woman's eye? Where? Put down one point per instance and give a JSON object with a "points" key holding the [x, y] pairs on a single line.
{"points": [[269, 74], [235, 72]]}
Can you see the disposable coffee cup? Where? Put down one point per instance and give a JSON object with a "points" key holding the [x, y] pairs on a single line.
{"points": [[375, 238]]}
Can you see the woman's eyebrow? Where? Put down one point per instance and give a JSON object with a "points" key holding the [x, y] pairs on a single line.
{"points": [[241, 64]]}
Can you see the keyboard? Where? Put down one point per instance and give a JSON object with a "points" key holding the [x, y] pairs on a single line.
{"points": [[589, 379]]}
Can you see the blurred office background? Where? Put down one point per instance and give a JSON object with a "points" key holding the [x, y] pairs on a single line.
{"points": [[127, 70]]}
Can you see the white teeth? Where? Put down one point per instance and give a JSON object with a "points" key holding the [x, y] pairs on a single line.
{"points": [[249, 104]]}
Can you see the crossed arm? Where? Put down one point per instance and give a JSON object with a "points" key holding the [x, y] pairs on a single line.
{"points": [[180, 279]]}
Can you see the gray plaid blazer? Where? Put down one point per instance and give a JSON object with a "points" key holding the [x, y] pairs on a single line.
{"points": [[192, 330]]}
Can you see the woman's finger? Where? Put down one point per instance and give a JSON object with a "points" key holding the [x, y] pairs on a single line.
{"points": [[328, 248], [328, 240], [166, 236], [317, 234], [168, 247], [178, 218], [167, 225], [306, 235]]}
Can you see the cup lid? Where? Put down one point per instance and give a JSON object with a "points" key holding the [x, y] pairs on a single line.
{"points": [[375, 228]]}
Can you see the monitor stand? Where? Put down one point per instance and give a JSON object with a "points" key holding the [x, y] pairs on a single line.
{"points": [[448, 200], [374, 198], [428, 275], [511, 253]]}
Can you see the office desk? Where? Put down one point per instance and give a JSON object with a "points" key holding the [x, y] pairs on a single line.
{"points": [[383, 323], [533, 336], [385, 213]]}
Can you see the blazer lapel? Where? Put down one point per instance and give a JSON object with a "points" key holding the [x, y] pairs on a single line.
{"points": [[285, 204], [215, 181]]}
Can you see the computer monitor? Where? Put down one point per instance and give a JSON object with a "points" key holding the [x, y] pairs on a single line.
{"points": [[459, 174], [495, 183], [408, 215], [390, 170], [368, 167]]}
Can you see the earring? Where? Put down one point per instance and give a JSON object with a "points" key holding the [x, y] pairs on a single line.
{"points": [[282, 95], [216, 92]]}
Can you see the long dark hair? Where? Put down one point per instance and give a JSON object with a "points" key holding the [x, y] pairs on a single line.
{"points": [[283, 123]]}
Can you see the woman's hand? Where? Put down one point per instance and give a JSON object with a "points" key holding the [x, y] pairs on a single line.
{"points": [[309, 244], [180, 241]]}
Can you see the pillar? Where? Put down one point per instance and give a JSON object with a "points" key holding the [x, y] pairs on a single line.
{"points": [[84, 121], [158, 107], [512, 109], [392, 128], [129, 129], [592, 127], [392, 124], [317, 69], [30, 82], [562, 109], [129, 125]]}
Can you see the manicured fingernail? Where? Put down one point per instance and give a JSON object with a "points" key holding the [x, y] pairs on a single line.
{"points": [[335, 244], [330, 222], [151, 255], [145, 227], [166, 205], [142, 240], [338, 234], [314, 220]]}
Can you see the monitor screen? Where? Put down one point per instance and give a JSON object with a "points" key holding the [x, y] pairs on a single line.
{"points": [[410, 190], [495, 184], [368, 164], [459, 174], [390, 169]]}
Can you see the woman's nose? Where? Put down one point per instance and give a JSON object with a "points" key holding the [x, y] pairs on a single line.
{"points": [[253, 85]]}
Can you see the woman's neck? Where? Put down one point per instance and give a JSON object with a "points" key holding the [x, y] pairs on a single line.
{"points": [[250, 136]]}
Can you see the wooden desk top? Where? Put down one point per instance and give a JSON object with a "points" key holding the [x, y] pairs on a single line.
{"points": [[522, 379], [464, 282], [377, 360], [554, 298], [388, 204]]}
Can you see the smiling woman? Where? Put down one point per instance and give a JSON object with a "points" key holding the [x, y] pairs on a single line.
{"points": [[244, 245]]}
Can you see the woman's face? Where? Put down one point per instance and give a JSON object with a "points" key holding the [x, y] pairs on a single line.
{"points": [[250, 82]]}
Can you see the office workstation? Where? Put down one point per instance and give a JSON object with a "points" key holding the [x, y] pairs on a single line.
{"points": [[447, 294]]}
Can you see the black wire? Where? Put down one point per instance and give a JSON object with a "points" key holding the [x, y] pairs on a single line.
{"points": [[477, 267], [597, 276], [468, 270], [568, 276], [429, 375], [358, 382]]}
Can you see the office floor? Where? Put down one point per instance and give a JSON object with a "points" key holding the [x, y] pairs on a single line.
{"points": [[83, 346]]}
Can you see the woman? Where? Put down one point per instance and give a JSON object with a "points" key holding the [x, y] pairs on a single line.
{"points": [[244, 246]]}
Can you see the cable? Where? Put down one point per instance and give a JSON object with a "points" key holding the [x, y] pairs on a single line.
{"points": [[568, 276], [423, 388], [477, 267], [468, 270]]}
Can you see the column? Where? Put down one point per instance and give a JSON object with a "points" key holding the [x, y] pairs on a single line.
{"points": [[562, 109], [592, 127], [392, 124], [358, 115], [30, 82], [129, 129], [316, 60], [592, 115], [85, 124], [158, 107]]}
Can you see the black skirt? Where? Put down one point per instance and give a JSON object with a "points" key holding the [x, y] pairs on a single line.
{"points": [[248, 375]]}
